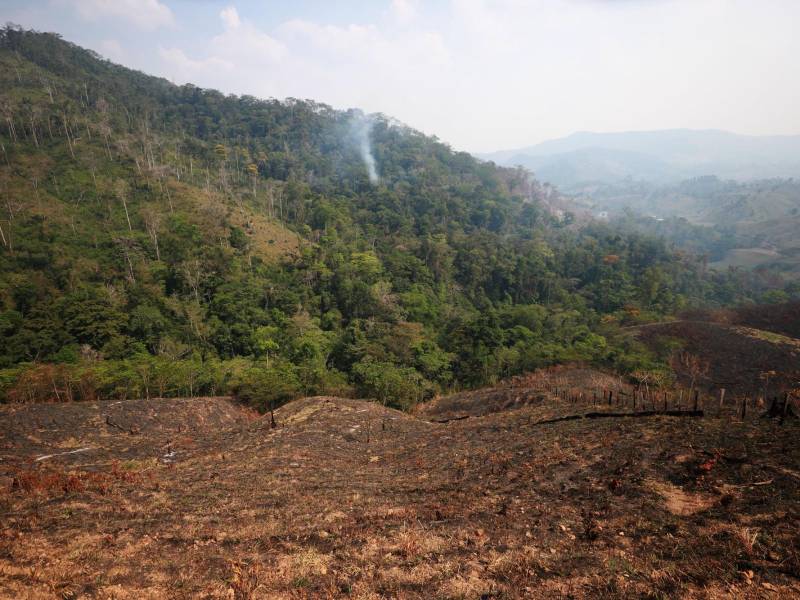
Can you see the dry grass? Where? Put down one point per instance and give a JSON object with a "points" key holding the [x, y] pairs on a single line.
{"points": [[495, 506]]}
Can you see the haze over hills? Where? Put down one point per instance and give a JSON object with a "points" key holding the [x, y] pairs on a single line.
{"points": [[172, 257], [732, 197], [289, 248], [172, 234], [666, 156]]}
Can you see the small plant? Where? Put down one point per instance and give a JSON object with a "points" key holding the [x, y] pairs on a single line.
{"points": [[244, 580], [590, 530], [747, 537]]}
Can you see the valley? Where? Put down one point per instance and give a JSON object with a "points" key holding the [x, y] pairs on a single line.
{"points": [[270, 348]]}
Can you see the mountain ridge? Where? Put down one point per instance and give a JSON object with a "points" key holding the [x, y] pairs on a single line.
{"points": [[685, 153], [174, 241]]}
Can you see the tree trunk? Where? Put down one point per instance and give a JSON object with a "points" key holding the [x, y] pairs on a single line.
{"points": [[127, 216]]}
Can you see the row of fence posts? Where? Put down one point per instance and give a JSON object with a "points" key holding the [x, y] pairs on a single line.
{"points": [[779, 407]]}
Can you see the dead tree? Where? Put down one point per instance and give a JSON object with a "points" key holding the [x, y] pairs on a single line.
{"points": [[152, 222]]}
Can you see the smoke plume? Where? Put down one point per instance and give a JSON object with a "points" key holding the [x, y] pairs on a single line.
{"points": [[361, 130]]}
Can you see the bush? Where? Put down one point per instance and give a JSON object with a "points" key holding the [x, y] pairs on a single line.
{"points": [[266, 388], [398, 387]]}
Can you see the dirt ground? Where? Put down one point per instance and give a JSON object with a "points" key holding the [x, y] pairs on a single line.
{"points": [[347, 499]]}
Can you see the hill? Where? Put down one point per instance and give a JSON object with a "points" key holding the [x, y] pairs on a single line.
{"points": [[174, 241], [657, 156], [745, 361], [740, 224], [347, 498]]}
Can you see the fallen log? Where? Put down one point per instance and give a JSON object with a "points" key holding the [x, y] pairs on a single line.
{"points": [[459, 418], [606, 415]]}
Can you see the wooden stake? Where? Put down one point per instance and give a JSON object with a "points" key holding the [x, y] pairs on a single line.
{"points": [[786, 404]]}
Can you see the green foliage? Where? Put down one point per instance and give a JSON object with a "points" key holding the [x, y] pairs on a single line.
{"points": [[143, 259], [398, 387], [267, 388]]}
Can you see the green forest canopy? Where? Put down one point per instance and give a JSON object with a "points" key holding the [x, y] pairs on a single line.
{"points": [[171, 240]]}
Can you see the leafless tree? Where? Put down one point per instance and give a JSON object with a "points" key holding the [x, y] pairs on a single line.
{"points": [[121, 191], [127, 246], [152, 221], [195, 275], [693, 365]]}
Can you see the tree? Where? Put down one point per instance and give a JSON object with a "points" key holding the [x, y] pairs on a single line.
{"points": [[152, 222], [121, 190], [266, 341], [692, 365]]}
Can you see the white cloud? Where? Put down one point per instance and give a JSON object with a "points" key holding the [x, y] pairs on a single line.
{"points": [[112, 50], [486, 75], [367, 45], [230, 17], [305, 59], [182, 69], [146, 14], [240, 53], [243, 43], [404, 11]]}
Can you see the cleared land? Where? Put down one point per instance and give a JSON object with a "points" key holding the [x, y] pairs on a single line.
{"points": [[345, 498], [736, 357]]}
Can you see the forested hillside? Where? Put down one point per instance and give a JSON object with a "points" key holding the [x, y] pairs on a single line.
{"points": [[740, 224], [162, 240]]}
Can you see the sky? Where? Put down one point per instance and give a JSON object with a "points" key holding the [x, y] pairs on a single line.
{"points": [[481, 75]]}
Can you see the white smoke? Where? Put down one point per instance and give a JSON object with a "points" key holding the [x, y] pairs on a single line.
{"points": [[361, 130]]}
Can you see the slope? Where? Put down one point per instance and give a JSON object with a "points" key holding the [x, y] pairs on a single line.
{"points": [[349, 499], [174, 237]]}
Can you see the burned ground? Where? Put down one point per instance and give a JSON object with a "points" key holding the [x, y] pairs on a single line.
{"points": [[737, 357], [346, 498], [532, 390], [782, 318]]}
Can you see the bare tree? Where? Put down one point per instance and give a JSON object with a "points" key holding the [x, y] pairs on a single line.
{"points": [[152, 221], [121, 191], [127, 246], [48, 88], [693, 365], [9, 116], [195, 275], [252, 169], [65, 123], [32, 118]]}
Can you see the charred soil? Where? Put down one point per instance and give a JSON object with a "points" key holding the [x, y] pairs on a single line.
{"points": [[346, 498]]}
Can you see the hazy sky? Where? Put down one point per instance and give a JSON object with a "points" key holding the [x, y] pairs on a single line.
{"points": [[480, 74]]}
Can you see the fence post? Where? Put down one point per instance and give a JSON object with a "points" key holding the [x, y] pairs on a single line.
{"points": [[785, 408], [696, 398]]}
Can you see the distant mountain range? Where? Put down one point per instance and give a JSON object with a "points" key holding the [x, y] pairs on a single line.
{"points": [[666, 156]]}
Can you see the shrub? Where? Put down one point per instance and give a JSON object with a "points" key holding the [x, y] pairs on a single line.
{"points": [[398, 387], [265, 388]]}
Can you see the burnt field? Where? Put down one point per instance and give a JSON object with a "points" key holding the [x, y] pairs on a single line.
{"points": [[347, 499], [746, 361]]}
